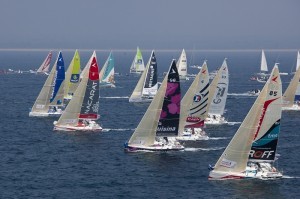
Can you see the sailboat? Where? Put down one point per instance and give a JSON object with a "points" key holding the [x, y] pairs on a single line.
{"points": [[50, 99], [182, 66], [82, 111], [262, 75], [194, 107], [147, 85], [137, 66], [297, 63], [72, 76], [252, 150], [291, 97], [218, 95], [161, 119], [106, 76], [44, 68]]}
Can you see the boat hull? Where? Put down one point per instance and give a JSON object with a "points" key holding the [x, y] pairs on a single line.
{"points": [[141, 100], [92, 126], [40, 114], [192, 138], [154, 148], [295, 107], [265, 172]]}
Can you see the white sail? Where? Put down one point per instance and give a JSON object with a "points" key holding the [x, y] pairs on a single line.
{"points": [[263, 63], [84, 105], [147, 85], [194, 104], [182, 65], [218, 101], [265, 111], [161, 117], [292, 93], [298, 61], [107, 74], [52, 92], [86, 68], [44, 68]]}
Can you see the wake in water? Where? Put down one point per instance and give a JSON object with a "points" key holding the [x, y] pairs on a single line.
{"points": [[107, 130], [290, 177], [233, 123], [204, 149], [241, 94], [218, 138], [116, 97]]}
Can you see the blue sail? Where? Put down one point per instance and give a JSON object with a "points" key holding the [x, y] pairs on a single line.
{"points": [[58, 78]]}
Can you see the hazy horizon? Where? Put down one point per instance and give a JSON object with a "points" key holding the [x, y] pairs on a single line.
{"points": [[167, 24]]}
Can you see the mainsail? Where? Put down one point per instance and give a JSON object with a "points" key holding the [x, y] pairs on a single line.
{"points": [[262, 118], [106, 75], [147, 84], [53, 90], [156, 115], [194, 104], [263, 62], [182, 65], [46, 64], [137, 65], [72, 76], [218, 91], [170, 111], [85, 101], [292, 94]]}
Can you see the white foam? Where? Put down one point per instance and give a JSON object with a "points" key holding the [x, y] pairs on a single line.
{"points": [[116, 97], [107, 130], [290, 177], [204, 149], [233, 123], [218, 138]]}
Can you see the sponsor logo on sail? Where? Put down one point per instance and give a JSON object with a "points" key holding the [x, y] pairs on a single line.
{"points": [[91, 98], [227, 163], [168, 128], [261, 154]]}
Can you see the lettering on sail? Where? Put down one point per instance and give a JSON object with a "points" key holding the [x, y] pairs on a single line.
{"points": [[91, 99], [227, 163], [151, 75], [53, 85], [166, 128]]}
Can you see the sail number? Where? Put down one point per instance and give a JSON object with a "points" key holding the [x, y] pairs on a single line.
{"points": [[273, 93], [172, 79]]}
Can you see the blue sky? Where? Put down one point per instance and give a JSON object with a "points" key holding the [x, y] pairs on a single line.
{"points": [[155, 24]]}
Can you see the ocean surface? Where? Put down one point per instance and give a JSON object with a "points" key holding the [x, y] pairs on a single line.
{"points": [[37, 162]]}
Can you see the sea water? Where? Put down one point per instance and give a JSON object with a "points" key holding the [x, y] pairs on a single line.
{"points": [[37, 162]]}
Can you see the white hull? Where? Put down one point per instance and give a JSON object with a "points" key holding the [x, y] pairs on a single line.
{"points": [[91, 127], [217, 120], [141, 100], [198, 134], [155, 147], [295, 107], [107, 85], [40, 114], [266, 172]]}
